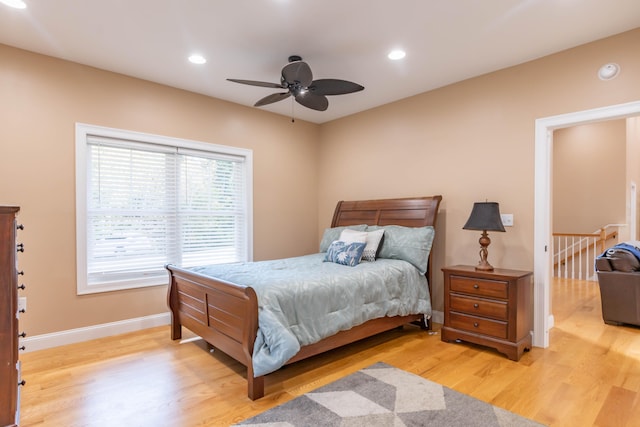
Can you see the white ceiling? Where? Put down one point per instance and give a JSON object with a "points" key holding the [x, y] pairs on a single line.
{"points": [[446, 41]]}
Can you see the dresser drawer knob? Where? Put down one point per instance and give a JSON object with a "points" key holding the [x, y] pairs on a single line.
{"points": [[23, 382], [476, 286], [20, 247], [22, 348], [20, 273], [22, 287], [20, 227], [22, 335], [476, 324], [476, 305]]}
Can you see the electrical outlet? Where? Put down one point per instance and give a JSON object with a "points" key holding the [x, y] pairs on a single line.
{"points": [[507, 220], [22, 305]]}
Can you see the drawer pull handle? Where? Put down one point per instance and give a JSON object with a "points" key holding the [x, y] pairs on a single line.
{"points": [[23, 382], [22, 286], [20, 247], [20, 273], [476, 305], [22, 348], [476, 286], [475, 324], [22, 335], [20, 227]]}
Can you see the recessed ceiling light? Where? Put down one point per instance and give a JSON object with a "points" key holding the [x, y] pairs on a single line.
{"points": [[197, 59], [396, 54], [18, 4]]}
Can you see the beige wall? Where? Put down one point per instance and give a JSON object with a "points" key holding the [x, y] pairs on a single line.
{"points": [[41, 100], [633, 171], [469, 142], [589, 177], [472, 141]]}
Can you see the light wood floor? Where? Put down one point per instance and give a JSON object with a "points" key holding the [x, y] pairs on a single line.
{"points": [[590, 375]]}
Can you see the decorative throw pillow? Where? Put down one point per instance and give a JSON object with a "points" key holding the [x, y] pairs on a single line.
{"points": [[345, 253], [374, 238], [332, 234], [411, 244], [371, 238]]}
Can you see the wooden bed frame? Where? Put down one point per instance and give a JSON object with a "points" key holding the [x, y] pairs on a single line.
{"points": [[226, 314]]}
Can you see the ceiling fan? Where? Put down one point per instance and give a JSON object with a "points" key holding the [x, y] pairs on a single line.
{"points": [[297, 79]]}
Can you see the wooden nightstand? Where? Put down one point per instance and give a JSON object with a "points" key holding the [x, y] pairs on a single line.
{"points": [[494, 308]]}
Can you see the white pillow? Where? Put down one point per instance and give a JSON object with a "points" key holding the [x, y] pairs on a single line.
{"points": [[353, 236], [332, 234], [371, 238], [373, 242]]}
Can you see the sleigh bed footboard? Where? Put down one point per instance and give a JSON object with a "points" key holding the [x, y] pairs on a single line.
{"points": [[223, 314]]}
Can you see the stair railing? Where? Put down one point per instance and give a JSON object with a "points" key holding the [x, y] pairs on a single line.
{"points": [[574, 254]]}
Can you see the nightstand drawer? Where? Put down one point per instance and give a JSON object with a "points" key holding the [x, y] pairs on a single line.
{"points": [[494, 328], [479, 307], [481, 287]]}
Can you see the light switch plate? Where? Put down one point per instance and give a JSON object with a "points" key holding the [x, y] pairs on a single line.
{"points": [[507, 220]]}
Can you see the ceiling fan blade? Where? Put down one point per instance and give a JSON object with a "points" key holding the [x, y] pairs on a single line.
{"points": [[255, 83], [334, 87], [270, 99], [313, 101], [297, 71]]}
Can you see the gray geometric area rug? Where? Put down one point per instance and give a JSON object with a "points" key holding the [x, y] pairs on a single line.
{"points": [[382, 395]]}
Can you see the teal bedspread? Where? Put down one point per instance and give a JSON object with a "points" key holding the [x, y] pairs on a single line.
{"points": [[303, 299]]}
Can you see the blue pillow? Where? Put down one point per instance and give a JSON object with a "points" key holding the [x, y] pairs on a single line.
{"points": [[345, 253], [411, 244]]}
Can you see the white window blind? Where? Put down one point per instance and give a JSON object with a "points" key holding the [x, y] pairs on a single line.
{"points": [[149, 204]]}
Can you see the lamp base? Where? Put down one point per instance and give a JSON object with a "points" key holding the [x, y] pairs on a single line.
{"points": [[484, 241], [484, 267]]}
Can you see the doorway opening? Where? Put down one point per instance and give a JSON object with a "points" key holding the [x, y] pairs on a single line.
{"points": [[543, 319]]}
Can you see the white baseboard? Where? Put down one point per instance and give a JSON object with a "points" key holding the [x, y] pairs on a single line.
{"points": [[72, 336]]}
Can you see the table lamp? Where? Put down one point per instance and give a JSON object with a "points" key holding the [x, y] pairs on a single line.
{"points": [[485, 216]]}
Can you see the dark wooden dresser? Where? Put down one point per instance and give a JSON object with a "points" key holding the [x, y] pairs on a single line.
{"points": [[10, 380], [493, 309]]}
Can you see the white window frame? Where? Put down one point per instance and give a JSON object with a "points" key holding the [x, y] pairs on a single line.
{"points": [[83, 132]]}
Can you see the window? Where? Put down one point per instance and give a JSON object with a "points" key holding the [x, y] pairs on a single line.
{"points": [[143, 201]]}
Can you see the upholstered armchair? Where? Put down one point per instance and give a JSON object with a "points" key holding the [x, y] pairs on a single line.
{"points": [[619, 280]]}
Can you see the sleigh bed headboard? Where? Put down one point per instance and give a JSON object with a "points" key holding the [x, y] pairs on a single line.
{"points": [[409, 212]]}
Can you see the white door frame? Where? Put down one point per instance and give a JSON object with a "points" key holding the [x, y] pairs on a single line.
{"points": [[633, 211], [544, 127]]}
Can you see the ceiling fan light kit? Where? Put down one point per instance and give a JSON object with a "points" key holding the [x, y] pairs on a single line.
{"points": [[297, 79]]}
